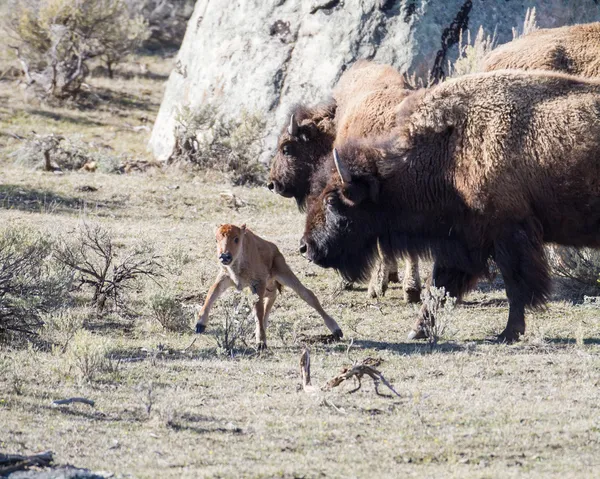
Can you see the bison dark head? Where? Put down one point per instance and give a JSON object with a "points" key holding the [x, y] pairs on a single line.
{"points": [[342, 225], [306, 139]]}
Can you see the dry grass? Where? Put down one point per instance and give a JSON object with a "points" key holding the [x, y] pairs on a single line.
{"points": [[170, 407]]}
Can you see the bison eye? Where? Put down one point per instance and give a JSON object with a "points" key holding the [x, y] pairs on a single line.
{"points": [[236, 240], [329, 200], [287, 151]]}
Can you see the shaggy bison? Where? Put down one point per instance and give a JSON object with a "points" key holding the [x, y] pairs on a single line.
{"points": [[574, 50], [363, 105], [248, 261], [485, 167]]}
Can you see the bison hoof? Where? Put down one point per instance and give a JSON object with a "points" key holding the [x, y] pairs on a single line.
{"points": [[337, 334], [393, 278], [508, 337], [200, 328], [261, 346], [412, 295], [416, 334]]}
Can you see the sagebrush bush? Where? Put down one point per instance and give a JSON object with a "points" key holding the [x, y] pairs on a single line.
{"points": [[31, 283], [237, 325], [87, 355], [439, 313], [55, 39], [169, 312], [90, 253], [55, 152], [582, 266], [471, 54], [232, 146]]}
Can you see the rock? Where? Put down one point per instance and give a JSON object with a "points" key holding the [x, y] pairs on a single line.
{"points": [[265, 56]]}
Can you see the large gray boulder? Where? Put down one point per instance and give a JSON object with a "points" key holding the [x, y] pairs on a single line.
{"points": [[264, 56]]}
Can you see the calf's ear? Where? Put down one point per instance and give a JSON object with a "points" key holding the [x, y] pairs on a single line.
{"points": [[243, 228]]}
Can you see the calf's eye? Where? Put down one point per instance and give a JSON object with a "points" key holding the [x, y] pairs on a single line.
{"points": [[236, 240]]}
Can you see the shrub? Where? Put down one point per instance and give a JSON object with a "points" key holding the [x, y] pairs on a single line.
{"points": [[92, 258], [232, 146], [87, 355], [582, 266], [470, 55], [31, 284], [55, 152], [55, 39], [237, 325], [170, 313], [167, 20], [439, 308]]}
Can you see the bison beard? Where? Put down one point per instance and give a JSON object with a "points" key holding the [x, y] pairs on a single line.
{"points": [[477, 171]]}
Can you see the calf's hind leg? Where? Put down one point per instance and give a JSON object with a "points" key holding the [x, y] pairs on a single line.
{"points": [[284, 275]]}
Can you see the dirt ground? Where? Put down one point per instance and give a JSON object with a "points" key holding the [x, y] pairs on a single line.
{"points": [[178, 405]]}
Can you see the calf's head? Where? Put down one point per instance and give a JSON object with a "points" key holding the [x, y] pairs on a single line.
{"points": [[342, 225], [230, 240], [305, 140]]}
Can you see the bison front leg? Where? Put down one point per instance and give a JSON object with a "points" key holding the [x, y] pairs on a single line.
{"points": [[217, 289], [519, 254], [412, 280], [284, 275], [454, 281]]}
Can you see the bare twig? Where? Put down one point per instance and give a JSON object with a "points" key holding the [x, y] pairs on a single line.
{"points": [[60, 402], [185, 350]]}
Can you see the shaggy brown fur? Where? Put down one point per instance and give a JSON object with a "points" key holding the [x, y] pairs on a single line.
{"points": [[487, 166], [248, 261], [365, 98], [574, 49]]}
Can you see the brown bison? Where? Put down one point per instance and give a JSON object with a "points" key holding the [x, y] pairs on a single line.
{"points": [[363, 105], [485, 167], [574, 50], [248, 261]]}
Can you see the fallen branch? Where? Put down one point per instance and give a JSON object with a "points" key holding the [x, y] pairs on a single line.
{"points": [[366, 367], [185, 350], [60, 402], [16, 462]]}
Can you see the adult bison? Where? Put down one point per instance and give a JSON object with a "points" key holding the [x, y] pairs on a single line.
{"points": [[485, 167], [363, 104], [574, 50]]}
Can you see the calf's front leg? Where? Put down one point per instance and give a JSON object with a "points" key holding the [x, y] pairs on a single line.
{"points": [[222, 282], [284, 275]]}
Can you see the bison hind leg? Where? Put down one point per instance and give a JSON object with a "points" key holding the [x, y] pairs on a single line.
{"points": [[519, 253]]}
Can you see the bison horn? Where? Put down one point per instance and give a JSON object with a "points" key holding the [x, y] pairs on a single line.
{"points": [[293, 128], [341, 167]]}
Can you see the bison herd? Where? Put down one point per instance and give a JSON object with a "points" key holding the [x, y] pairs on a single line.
{"points": [[483, 168]]}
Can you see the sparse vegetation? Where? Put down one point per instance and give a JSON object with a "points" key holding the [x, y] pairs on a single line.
{"points": [[169, 312], [56, 153], [92, 256], [30, 283], [55, 40], [232, 146], [86, 355], [471, 54], [237, 325], [439, 316]]}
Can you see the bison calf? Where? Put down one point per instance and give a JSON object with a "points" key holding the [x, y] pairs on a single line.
{"points": [[248, 261]]}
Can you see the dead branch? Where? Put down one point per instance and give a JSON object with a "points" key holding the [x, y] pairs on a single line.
{"points": [[366, 367], [15, 462], [60, 402]]}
